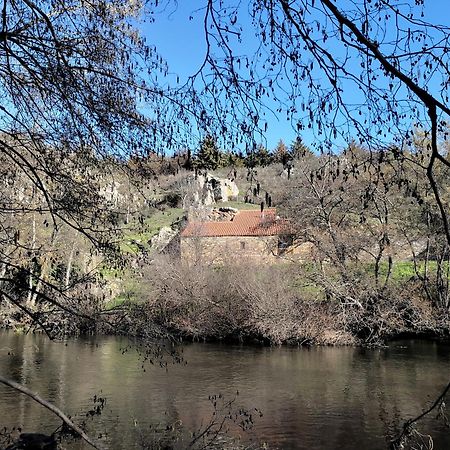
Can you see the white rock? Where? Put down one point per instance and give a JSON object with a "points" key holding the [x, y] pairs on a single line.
{"points": [[163, 238], [208, 190]]}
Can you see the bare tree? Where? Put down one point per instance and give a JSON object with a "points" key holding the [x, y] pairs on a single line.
{"points": [[74, 72], [72, 77], [373, 71]]}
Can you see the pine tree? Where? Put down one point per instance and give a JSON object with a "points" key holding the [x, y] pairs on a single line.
{"points": [[281, 153], [208, 156], [299, 149], [262, 156]]}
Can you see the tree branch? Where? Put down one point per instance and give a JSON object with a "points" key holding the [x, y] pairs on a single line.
{"points": [[51, 407]]}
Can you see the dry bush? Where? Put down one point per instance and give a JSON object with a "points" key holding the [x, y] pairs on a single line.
{"points": [[377, 315], [238, 302], [263, 303]]}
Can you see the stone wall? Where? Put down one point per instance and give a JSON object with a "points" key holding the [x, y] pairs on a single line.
{"points": [[229, 249], [236, 249]]}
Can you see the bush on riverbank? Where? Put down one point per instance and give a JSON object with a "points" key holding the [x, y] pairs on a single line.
{"points": [[280, 305], [276, 305]]}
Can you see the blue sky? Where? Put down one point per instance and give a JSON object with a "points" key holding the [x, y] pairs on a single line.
{"points": [[182, 44]]}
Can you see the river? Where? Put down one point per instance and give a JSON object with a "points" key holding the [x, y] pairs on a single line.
{"points": [[318, 398]]}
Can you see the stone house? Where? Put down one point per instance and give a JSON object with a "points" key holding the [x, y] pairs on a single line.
{"points": [[248, 236]]}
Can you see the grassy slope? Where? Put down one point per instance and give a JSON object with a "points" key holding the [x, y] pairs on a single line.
{"points": [[136, 238], [136, 235], [404, 270]]}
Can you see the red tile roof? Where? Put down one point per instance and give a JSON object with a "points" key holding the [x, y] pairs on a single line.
{"points": [[244, 223]]}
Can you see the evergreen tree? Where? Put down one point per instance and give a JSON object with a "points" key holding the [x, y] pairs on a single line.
{"points": [[262, 156], [208, 156], [281, 153], [299, 149]]}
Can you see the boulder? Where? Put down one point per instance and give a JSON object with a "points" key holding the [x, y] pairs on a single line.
{"points": [[207, 190], [160, 241]]}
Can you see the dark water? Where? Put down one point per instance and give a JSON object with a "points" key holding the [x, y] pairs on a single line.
{"points": [[323, 398]]}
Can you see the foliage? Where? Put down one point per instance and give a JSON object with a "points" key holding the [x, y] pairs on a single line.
{"points": [[75, 142], [75, 73], [208, 155], [299, 149], [281, 153], [259, 157]]}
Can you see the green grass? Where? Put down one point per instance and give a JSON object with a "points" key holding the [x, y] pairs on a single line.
{"points": [[109, 273], [127, 283], [237, 205], [310, 291], [403, 271], [116, 302], [136, 235]]}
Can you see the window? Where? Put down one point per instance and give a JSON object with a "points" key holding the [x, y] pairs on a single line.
{"points": [[242, 245]]}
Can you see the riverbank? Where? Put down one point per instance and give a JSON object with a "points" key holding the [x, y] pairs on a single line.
{"points": [[287, 305], [269, 306]]}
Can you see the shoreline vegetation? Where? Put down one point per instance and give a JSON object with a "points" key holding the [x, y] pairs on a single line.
{"points": [[379, 268], [103, 145], [237, 304]]}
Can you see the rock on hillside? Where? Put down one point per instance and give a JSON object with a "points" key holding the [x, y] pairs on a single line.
{"points": [[165, 236], [207, 190]]}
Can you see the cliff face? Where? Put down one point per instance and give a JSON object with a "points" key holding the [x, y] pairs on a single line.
{"points": [[207, 190]]}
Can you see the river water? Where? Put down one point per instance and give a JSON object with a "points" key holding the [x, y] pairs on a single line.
{"points": [[320, 398]]}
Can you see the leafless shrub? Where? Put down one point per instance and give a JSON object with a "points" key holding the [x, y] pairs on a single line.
{"points": [[264, 303]]}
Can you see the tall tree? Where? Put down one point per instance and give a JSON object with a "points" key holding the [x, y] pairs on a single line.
{"points": [[72, 77], [208, 156], [281, 153], [367, 69], [261, 156], [370, 70], [299, 149]]}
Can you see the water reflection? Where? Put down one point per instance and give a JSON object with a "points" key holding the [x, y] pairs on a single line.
{"points": [[324, 398]]}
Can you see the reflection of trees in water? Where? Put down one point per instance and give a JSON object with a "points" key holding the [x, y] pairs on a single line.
{"points": [[319, 398]]}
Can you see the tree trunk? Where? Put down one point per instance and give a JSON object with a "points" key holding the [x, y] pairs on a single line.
{"points": [[30, 301], [69, 267]]}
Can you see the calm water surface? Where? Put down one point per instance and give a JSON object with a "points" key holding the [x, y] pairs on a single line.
{"points": [[322, 398]]}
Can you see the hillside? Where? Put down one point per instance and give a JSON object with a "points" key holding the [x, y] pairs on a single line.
{"points": [[378, 266]]}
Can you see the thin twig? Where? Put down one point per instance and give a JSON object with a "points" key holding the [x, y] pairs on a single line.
{"points": [[407, 426]]}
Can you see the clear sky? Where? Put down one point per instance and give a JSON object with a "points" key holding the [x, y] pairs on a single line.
{"points": [[181, 42]]}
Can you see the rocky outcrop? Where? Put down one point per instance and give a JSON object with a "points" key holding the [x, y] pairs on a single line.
{"points": [[165, 236], [288, 171], [207, 190], [221, 214]]}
